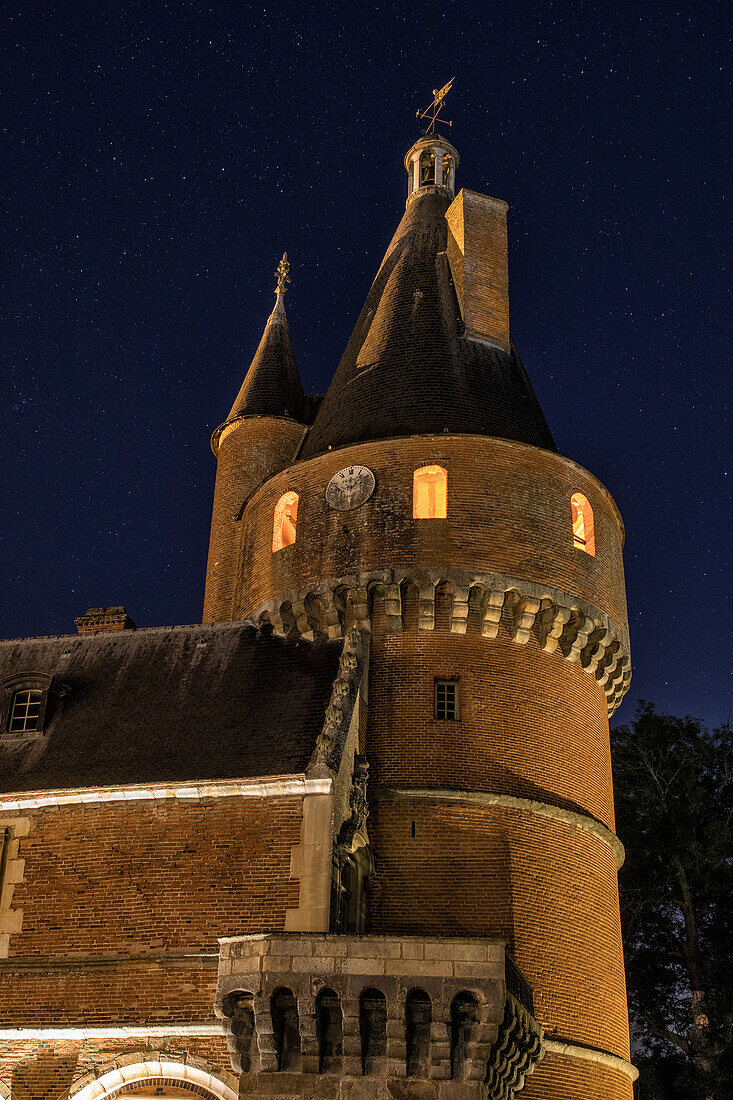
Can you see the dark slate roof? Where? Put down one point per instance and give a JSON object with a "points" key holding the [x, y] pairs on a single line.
{"points": [[272, 385], [408, 369], [173, 704]]}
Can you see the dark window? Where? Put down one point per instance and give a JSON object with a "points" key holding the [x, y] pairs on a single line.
{"points": [[25, 711], [372, 1029], [239, 1010], [328, 1029], [286, 1029], [463, 1021], [418, 1017], [446, 700]]}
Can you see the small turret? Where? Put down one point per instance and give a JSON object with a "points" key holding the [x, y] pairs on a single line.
{"points": [[431, 162], [259, 438]]}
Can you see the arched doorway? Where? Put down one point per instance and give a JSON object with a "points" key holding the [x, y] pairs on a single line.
{"points": [[158, 1077]]}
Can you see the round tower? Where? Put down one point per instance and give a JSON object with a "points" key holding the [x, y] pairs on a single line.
{"points": [[434, 511], [260, 436]]}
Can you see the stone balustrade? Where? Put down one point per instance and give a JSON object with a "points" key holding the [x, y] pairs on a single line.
{"points": [[432, 1013]]}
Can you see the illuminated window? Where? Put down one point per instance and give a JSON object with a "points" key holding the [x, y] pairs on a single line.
{"points": [[583, 534], [25, 712], [430, 493], [446, 700], [286, 513]]}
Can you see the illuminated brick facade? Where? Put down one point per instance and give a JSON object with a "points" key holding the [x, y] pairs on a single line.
{"points": [[258, 856]]}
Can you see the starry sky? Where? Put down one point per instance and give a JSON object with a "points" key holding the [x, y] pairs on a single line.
{"points": [[158, 158]]}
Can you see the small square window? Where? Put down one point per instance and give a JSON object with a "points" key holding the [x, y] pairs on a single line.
{"points": [[25, 712], [446, 700]]}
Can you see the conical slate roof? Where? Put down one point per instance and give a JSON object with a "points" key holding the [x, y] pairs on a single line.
{"points": [[408, 369], [272, 385]]}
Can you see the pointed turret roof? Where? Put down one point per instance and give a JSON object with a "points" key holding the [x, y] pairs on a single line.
{"points": [[408, 367], [272, 385]]}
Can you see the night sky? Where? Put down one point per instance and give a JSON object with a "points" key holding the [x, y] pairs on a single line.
{"points": [[158, 158]]}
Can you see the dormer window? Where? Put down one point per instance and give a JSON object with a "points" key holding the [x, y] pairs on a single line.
{"points": [[28, 701], [25, 711]]}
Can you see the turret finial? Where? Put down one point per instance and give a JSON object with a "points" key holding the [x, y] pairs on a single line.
{"points": [[283, 275], [432, 113]]}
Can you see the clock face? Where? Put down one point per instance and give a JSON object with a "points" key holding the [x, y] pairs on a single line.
{"points": [[350, 488]]}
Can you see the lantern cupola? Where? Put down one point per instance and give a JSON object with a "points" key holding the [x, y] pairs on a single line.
{"points": [[431, 162]]}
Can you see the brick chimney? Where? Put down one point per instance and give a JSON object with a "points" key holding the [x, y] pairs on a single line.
{"points": [[98, 619], [477, 254]]}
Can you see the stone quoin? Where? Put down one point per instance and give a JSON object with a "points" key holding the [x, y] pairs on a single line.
{"points": [[352, 836]]}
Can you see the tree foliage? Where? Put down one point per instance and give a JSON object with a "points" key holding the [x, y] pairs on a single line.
{"points": [[674, 805]]}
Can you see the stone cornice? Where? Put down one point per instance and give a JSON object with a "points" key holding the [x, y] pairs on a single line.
{"points": [[486, 798], [91, 1031], [560, 622], [265, 787], [590, 1054]]}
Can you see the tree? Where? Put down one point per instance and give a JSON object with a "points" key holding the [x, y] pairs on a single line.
{"points": [[674, 805]]}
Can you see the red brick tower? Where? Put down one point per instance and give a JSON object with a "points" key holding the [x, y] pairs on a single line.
{"points": [[428, 507]]}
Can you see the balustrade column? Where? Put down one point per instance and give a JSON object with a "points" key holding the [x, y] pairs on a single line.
{"points": [[440, 1033], [308, 1034], [351, 1037], [265, 1035], [396, 1042], [437, 153]]}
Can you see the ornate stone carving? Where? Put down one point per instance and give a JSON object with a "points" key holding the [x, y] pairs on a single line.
{"points": [[358, 804]]}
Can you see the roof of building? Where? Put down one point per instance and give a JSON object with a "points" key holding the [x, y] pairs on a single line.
{"points": [[217, 701], [408, 369], [272, 385]]}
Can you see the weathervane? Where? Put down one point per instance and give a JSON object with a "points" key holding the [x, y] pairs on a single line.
{"points": [[432, 113], [283, 275]]}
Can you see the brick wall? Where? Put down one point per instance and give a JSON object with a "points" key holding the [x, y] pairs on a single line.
{"points": [[530, 724], [154, 877], [508, 512], [47, 1070], [486, 871]]}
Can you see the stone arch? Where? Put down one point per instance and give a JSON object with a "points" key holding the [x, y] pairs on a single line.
{"points": [[4, 1091], [410, 604], [289, 621], [477, 597], [444, 593], [344, 609], [314, 610], [376, 593], [156, 1068]]}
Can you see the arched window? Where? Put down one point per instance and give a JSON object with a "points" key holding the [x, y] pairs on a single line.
{"points": [[286, 1029], [418, 1017], [239, 1011], [329, 1028], [463, 1021], [430, 493], [583, 533], [372, 1029], [427, 167], [286, 515]]}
